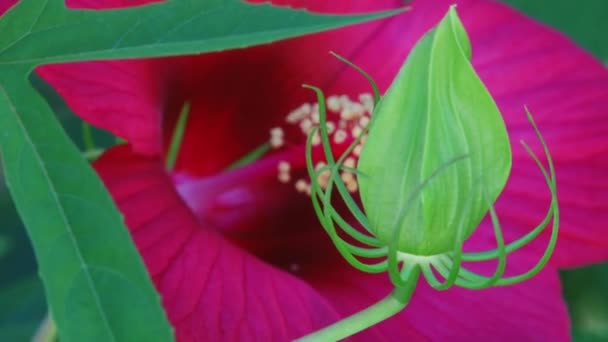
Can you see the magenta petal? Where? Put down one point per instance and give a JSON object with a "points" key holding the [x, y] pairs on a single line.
{"points": [[6, 4], [210, 289], [122, 97], [105, 4], [530, 311], [523, 63]]}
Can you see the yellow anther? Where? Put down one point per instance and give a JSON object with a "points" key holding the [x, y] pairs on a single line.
{"points": [[284, 166], [347, 177], [316, 139], [277, 141], [364, 121], [331, 127], [277, 132], [333, 103], [315, 118], [284, 177], [306, 126], [340, 136], [301, 185], [366, 98], [299, 113], [352, 186], [357, 150], [323, 178], [356, 131]]}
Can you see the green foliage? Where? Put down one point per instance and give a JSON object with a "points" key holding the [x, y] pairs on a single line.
{"points": [[87, 262], [95, 282], [436, 111], [41, 32]]}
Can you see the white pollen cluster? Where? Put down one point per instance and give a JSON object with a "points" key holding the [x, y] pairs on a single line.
{"points": [[346, 120], [277, 137]]}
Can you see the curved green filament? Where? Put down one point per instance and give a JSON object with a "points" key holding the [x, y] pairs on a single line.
{"points": [[391, 305], [363, 73], [555, 228], [549, 177], [481, 282], [452, 275], [329, 157], [341, 244], [368, 252], [352, 231], [393, 262], [345, 249], [473, 280]]}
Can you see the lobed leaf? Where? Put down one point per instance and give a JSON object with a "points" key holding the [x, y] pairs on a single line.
{"points": [[39, 32], [95, 281]]}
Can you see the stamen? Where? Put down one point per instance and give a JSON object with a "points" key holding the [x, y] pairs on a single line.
{"points": [[333, 104], [277, 142], [277, 137], [284, 166], [340, 136], [302, 186], [306, 126], [346, 121], [284, 177]]}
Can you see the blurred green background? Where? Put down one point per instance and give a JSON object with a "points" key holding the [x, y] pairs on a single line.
{"points": [[22, 304]]}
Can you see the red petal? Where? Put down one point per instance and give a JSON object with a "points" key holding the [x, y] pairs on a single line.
{"points": [[523, 63], [530, 311], [243, 92], [105, 4], [6, 4], [124, 97], [211, 289]]}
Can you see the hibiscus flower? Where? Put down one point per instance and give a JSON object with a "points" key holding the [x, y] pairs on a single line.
{"points": [[237, 253]]}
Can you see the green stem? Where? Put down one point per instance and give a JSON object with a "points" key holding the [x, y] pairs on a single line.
{"points": [[378, 312]]}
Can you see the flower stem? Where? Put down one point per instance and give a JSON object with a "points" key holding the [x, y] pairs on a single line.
{"points": [[374, 314]]}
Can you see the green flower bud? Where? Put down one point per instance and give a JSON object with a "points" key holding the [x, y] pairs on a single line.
{"points": [[436, 125]]}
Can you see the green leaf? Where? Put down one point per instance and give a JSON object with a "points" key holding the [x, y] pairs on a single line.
{"points": [[436, 111], [95, 281], [38, 32]]}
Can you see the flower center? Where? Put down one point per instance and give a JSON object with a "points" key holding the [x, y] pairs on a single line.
{"points": [[346, 119]]}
